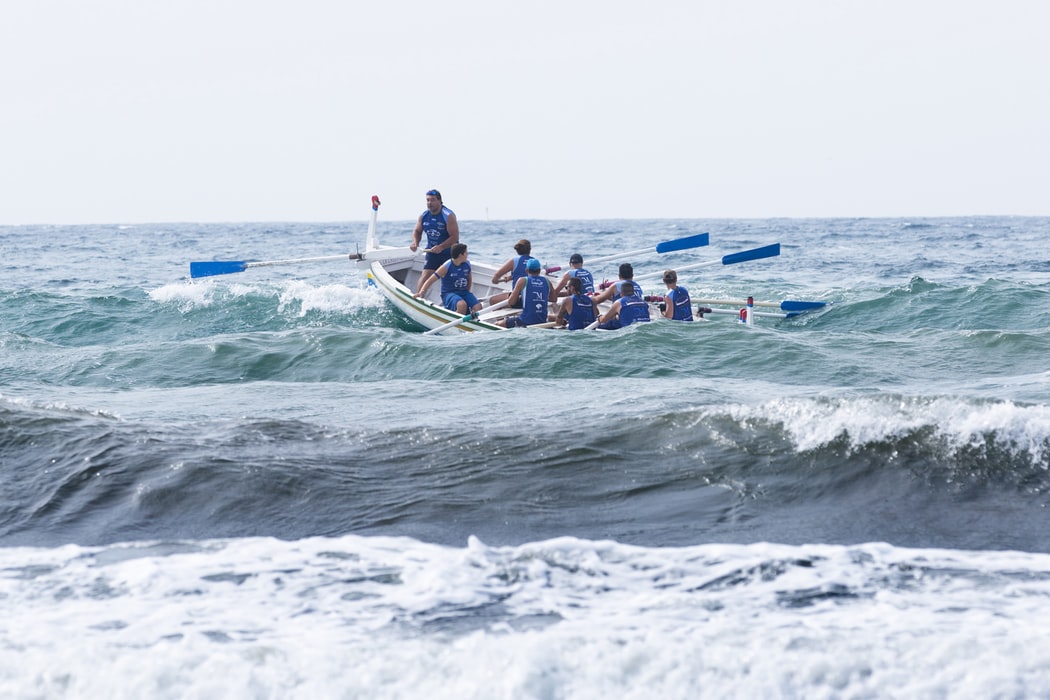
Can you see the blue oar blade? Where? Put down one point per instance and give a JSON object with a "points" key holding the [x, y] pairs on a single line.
{"points": [[216, 267], [700, 239], [767, 251], [802, 305]]}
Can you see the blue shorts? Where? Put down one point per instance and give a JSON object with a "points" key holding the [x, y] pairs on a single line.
{"points": [[453, 298], [434, 260]]}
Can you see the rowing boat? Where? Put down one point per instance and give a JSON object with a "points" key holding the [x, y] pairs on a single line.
{"points": [[397, 275], [396, 271]]}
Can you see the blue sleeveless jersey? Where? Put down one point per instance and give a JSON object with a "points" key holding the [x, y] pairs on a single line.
{"points": [[582, 314], [633, 309], [456, 279], [683, 310], [435, 226], [637, 289], [585, 277], [535, 297], [519, 271]]}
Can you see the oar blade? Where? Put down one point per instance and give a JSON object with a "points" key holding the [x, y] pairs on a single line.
{"points": [[799, 306], [767, 251], [217, 267], [700, 239]]}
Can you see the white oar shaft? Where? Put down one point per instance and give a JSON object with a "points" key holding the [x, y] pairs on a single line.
{"points": [[694, 266], [296, 261], [620, 256], [464, 319], [732, 312], [733, 302], [381, 254]]}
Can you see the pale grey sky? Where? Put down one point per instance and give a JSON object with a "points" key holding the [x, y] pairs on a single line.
{"points": [[125, 111]]}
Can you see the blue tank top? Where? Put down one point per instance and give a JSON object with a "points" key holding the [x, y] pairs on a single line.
{"points": [[534, 302], [637, 289], [582, 314], [633, 309], [456, 279], [519, 271], [435, 226], [585, 277], [683, 310]]}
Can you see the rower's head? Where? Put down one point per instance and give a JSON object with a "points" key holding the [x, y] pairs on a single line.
{"points": [[626, 271], [576, 260], [458, 252], [575, 285], [523, 247], [434, 201], [533, 266], [670, 277], [627, 289]]}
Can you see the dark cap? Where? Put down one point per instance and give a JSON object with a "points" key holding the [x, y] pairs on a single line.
{"points": [[575, 259], [434, 193]]}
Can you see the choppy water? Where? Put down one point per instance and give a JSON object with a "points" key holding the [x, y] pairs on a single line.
{"points": [[271, 484]]}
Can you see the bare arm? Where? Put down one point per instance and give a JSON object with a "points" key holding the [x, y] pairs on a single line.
{"points": [[439, 272], [561, 284], [563, 312], [613, 312], [503, 270], [516, 292], [668, 307], [606, 294], [452, 226], [417, 233]]}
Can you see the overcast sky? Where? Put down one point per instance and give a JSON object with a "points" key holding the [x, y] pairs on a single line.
{"points": [[126, 111]]}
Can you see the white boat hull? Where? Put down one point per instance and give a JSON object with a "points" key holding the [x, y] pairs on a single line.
{"points": [[398, 278]]}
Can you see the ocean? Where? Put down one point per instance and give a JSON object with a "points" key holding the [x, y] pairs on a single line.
{"points": [[272, 485]]}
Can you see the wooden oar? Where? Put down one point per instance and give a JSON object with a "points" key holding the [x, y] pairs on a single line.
{"points": [[684, 243], [464, 319], [767, 251]]}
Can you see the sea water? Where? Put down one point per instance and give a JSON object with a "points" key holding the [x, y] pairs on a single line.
{"points": [[271, 484]]}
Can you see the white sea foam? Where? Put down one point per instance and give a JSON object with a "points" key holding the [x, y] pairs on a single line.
{"points": [[385, 617], [301, 298], [815, 422], [295, 297], [185, 295]]}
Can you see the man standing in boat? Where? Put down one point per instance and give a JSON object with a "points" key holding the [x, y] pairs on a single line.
{"points": [[440, 225]]}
